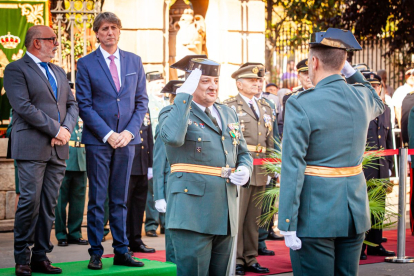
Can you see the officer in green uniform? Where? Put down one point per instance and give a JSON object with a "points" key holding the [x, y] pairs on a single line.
{"points": [[256, 123], [72, 192], [209, 159], [162, 171], [323, 208]]}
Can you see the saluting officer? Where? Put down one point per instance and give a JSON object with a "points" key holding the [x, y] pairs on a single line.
{"points": [[303, 76], [162, 171], [379, 138], [141, 172], [256, 124], [209, 158], [323, 207]]}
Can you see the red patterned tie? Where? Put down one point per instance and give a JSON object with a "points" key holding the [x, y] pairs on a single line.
{"points": [[114, 72]]}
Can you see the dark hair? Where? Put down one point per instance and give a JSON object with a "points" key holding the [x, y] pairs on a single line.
{"points": [[331, 58], [106, 17], [31, 34]]}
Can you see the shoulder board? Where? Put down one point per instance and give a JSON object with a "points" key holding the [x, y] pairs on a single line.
{"points": [[410, 93], [299, 93], [230, 100], [288, 93], [264, 102], [358, 84]]}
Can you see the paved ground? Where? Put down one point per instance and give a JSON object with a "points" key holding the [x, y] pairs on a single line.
{"points": [[78, 253]]}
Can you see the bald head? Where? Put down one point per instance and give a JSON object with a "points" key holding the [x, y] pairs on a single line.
{"points": [[34, 32], [40, 41]]}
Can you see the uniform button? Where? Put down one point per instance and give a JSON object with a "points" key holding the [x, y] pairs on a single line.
{"points": [[242, 121], [379, 136], [184, 101], [260, 133], [77, 137], [388, 127], [142, 147], [258, 123], [226, 152], [142, 139], [287, 220], [258, 144], [140, 131], [257, 154], [199, 139], [379, 127], [185, 190], [228, 181], [222, 138], [118, 100]]}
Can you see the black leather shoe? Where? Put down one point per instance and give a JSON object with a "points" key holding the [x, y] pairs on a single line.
{"points": [[162, 230], [274, 237], [240, 269], [363, 256], [380, 251], [384, 240], [45, 267], [95, 262], [126, 260], [152, 233], [256, 268], [265, 252], [79, 241], [143, 249], [62, 242], [23, 270]]}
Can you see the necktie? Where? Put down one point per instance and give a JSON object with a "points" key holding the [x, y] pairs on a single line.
{"points": [[254, 110], [208, 112], [114, 72], [52, 82]]}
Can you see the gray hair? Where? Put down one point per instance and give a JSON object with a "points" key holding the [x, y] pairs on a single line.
{"points": [[109, 17], [332, 59], [31, 34]]}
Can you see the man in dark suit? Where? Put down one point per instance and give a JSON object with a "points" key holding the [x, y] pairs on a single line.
{"points": [[112, 97], [138, 187], [44, 115]]}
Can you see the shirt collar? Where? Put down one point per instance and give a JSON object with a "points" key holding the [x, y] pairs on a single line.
{"points": [[35, 58], [106, 54], [247, 100], [203, 108]]}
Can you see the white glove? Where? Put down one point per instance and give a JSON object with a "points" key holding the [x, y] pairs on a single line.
{"points": [[291, 240], [149, 175], [161, 205], [240, 176], [347, 70], [191, 83], [390, 172], [268, 180]]}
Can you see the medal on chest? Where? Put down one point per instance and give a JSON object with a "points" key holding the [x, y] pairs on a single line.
{"points": [[234, 132], [147, 120]]}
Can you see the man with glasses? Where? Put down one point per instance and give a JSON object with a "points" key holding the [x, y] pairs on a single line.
{"points": [[44, 115], [401, 92]]}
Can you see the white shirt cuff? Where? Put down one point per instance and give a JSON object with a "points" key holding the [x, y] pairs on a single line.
{"points": [[57, 133], [107, 136], [133, 136]]}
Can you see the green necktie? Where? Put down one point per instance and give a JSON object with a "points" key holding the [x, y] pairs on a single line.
{"points": [[208, 112]]}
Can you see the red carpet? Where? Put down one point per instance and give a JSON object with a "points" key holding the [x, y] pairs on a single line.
{"points": [[280, 263]]}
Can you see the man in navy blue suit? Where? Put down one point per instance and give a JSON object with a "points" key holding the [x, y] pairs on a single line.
{"points": [[113, 101]]}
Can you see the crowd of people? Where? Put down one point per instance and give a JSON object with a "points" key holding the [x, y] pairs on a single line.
{"points": [[173, 151]]}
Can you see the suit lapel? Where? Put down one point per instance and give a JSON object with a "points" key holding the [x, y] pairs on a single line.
{"points": [[123, 69], [203, 116], [246, 108], [36, 68], [105, 68]]}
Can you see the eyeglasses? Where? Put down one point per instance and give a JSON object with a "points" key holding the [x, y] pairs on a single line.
{"points": [[53, 39]]}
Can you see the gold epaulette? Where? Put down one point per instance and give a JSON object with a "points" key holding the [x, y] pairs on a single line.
{"points": [[410, 93], [229, 100], [299, 93], [264, 102]]}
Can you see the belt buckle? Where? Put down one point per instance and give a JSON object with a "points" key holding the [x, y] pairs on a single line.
{"points": [[77, 144], [225, 172], [259, 149]]}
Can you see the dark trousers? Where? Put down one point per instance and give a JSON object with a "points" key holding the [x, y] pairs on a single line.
{"points": [[137, 196], [108, 172], [152, 217], [329, 256], [72, 192], [39, 188], [199, 254]]}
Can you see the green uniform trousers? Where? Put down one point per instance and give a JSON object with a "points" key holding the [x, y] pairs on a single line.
{"points": [[199, 254], [169, 248], [152, 217], [328, 256], [248, 234], [72, 192]]}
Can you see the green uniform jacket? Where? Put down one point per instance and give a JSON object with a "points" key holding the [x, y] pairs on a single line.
{"points": [[77, 155], [161, 169], [196, 202], [326, 126]]}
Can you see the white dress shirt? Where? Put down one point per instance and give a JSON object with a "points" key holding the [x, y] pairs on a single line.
{"points": [[400, 94], [118, 68], [252, 100], [213, 112]]}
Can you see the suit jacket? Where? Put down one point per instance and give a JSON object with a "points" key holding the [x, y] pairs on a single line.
{"points": [[407, 105], [161, 168], [379, 138], [255, 132], [144, 152], [35, 109], [101, 107], [197, 202], [77, 155], [326, 126]]}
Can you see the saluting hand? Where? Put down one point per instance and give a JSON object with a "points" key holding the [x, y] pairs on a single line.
{"points": [[191, 83]]}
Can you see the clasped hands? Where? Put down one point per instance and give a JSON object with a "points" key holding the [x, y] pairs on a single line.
{"points": [[62, 138], [120, 140]]}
